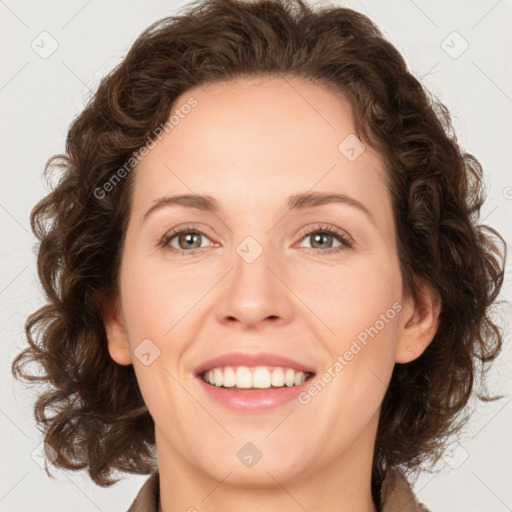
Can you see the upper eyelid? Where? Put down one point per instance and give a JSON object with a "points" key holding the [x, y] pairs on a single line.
{"points": [[307, 230], [330, 229]]}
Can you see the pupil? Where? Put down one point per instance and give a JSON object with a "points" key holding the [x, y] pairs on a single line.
{"points": [[190, 238], [316, 237]]}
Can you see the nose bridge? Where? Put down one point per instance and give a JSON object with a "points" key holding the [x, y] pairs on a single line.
{"points": [[253, 293]]}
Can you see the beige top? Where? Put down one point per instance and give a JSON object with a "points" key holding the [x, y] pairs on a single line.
{"points": [[396, 494]]}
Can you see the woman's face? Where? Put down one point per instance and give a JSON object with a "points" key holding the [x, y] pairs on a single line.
{"points": [[261, 275]]}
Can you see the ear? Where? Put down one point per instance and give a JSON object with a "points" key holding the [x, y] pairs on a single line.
{"points": [[117, 335], [420, 321]]}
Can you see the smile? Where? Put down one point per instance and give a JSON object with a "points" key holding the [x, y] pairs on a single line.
{"points": [[254, 378]]}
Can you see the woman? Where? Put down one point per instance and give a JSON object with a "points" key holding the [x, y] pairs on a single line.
{"points": [[196, 326]]}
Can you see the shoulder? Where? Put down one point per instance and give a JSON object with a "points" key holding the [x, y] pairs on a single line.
{"points": [[397, 494], [147, 500]]}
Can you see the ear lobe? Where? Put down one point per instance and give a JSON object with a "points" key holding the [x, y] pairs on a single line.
{"points": [[420, 322], [117, 336]]}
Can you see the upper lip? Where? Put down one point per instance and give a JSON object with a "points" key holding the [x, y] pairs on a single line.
{"points": [[252, 359]]}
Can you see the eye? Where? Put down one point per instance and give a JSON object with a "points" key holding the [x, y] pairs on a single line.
{"points": [[187, 239], [323, 239]]}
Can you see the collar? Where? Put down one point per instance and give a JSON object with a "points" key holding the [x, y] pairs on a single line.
{"points": [[396, 494]]}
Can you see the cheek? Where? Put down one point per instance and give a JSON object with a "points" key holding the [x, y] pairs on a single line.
{"points": [[364, 315], [359, 306], [155, 304], [349, 299], [156, 299]]}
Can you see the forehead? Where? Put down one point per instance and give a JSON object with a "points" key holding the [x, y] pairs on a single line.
{"points": [[254, 141]]}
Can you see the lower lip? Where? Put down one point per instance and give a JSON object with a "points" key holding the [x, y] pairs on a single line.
{"points": [[253, 401]]}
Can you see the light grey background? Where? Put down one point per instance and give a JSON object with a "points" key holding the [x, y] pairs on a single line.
{"points": [[39, 97]]}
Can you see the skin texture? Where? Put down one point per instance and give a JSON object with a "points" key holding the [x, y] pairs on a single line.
{"points": [[250, 144]]}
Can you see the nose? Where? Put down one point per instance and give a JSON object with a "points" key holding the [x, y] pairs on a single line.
{"points": [[254, 293]]}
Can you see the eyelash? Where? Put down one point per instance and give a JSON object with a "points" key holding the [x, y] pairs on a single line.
{"points": [[346, 242]]}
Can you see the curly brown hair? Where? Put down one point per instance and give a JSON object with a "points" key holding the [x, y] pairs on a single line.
{"points": [[91, 410]]}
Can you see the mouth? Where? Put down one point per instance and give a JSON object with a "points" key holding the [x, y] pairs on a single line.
{"points": [[250, 382], [254, 378]]}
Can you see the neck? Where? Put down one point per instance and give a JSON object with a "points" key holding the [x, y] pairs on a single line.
{"points": [[343, 484]]}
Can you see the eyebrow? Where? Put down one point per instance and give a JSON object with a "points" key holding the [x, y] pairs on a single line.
{"points": [[298, 201]]}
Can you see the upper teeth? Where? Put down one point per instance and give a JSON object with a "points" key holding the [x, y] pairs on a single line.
{"points": [[254, 377]]}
